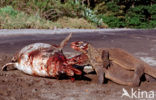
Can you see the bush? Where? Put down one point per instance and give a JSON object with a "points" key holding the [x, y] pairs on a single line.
{"points": [[141, 17], [113, 21], [115, 13], [129, 13], [11, 18], [53, 9], [90, 15]]}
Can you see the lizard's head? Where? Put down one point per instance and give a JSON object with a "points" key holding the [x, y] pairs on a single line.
{"points": [[80, 46]]}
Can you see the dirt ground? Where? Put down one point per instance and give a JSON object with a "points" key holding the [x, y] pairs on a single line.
{"points": [[15, 85]]}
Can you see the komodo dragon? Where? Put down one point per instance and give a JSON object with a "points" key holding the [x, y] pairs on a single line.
{"points": [[115, 64]]}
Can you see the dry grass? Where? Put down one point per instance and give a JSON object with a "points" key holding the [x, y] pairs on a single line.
{"points": [[14, 19], [66, 22]]}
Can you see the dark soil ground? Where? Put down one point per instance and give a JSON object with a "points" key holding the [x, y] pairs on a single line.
{"points": [[15, 85]]}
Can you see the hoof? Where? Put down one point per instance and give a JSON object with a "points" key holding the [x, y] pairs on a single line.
{"points": [[4, 68]]}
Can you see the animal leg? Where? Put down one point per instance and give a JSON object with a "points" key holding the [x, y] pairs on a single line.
{"points": [[100, 75], [64, 42], [138, 72], [76, 71], [131, 81], [100, 69], [109, 75], [4, 68], [81, 59], [105, 58]]}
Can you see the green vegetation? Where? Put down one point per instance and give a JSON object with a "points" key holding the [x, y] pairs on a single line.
{"points": [[128, 13], [41, 14], [10, 18], [75, 14], [13, 19]]}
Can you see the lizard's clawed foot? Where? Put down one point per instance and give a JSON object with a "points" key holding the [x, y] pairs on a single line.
{"points": [[100, 75]]}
